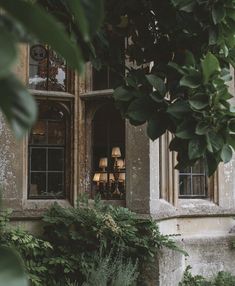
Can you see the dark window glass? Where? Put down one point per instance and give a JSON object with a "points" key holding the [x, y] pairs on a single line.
{"points": [[48, 149], [47, 70], [193, 181], [108, 166], [110, 75]]}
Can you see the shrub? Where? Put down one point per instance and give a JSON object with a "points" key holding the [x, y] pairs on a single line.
{"points": [[76, 233], [80, 243], [221, 279]]}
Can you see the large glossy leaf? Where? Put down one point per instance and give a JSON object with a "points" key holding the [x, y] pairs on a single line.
{"points": [[45, 28], [11, 269], [156, 127], [197, 148], [210, 65], [199, 101], [8, 52], [226, 153], [77, 10], [94, 12], [140, 109], [190, 81], [178, 109], [157, 83], [17, 104], [123, 94]]}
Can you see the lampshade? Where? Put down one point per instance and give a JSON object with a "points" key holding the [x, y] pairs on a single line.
{"points": [[96, 177], [111, 177], [103, 177], [116, 152], [120, 163], [122, 177], [103, 163], [124, 164]]}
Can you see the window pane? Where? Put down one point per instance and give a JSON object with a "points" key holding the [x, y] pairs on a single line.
{"points": [[56, 133], [55, 159], [37, 184], [199, 186], [38, 159], [57, 72], [38, 133], [192, 181], [55, 184], [108, 133], [47, 70], [199, 167], [185, 185]]}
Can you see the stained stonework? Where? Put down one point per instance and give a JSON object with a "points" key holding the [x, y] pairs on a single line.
{"points": [[11, 176]]}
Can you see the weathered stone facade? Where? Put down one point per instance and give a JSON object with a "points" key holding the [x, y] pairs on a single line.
{"points": [[205, 228]]}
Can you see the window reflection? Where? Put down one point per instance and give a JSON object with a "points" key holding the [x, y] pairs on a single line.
{"points": [[109, 153], [193, 181], [48, 144], [47, 70]]}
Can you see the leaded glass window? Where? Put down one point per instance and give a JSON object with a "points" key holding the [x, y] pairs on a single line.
{"points": [[193, 181], [47, 69], [48, 151]]}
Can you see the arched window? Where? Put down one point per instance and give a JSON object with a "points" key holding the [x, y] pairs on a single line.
{"points": [[49, 149], [108, 151]]}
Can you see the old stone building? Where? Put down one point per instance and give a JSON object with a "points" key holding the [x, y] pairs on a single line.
{"points": [[80, 144]]}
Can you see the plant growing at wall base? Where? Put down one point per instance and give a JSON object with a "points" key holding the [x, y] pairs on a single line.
{"points": [[76, 233], [221, 279]]}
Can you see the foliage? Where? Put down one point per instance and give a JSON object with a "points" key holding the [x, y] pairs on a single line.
{"points": [[80, 243], [23, 21], [12, 271], [109, 270], [181, 53], [77, 233], [35, 253], [221, 279]]}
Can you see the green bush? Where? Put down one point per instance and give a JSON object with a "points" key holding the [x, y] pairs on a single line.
{"points": [[77, 242], [77, 233], [221, 279]]}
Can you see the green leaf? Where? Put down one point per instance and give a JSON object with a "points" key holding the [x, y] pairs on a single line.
{"points": [[210, 65], [212, 163], [156, 96], [226, 153], [215, 140], [17, 105], [218, 13], [123, 94], [8, 52], [231, 140], [231, 125], [202, 128], [197, 148], [178, 109], [45, 27], [189, 59], [176, 67], [77, 10], [140, 109], [11, 268], [94, 11], [156, 127], [185, 130], [199, 101], [157, 83], [190, 81]]}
